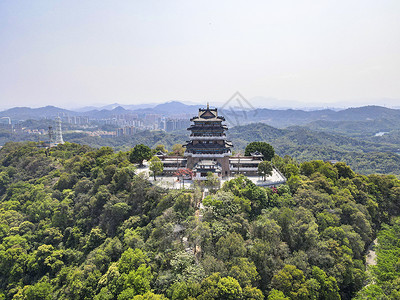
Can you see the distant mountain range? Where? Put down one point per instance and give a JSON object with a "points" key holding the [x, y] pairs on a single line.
{"points": [[25, 113], [367, 138], [114, 105], [234, 115], [166, 109]]}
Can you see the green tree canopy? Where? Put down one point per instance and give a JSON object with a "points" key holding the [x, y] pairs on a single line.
{"points": [[156, 166], [139, 153], [212, 182], [161, 148], [265, 169], [217, 287], [266, 149], [178, 150], [344, 170]]}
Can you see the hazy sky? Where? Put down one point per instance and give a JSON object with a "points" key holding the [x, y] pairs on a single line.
{"points": [[76, 53]]}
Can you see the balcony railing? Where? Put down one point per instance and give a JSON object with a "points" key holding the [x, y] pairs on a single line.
{"points": [[208, 154], [206, 138], [243, 169]]}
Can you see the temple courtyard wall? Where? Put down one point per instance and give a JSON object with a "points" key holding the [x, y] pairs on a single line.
{"points": [[172, 182]]}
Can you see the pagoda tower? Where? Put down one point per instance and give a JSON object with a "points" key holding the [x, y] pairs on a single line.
{"points": [[208, 149]]}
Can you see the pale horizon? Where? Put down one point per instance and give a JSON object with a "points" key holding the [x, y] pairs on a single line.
{"points": [[74, 54]]}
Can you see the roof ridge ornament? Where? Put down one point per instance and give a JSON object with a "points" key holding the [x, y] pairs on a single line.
{"points": [[208, 105]]}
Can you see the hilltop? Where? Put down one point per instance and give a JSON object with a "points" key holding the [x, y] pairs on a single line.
{"points": [[84, 223]]}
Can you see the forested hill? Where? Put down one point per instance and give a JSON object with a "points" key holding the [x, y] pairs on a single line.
{"points": [[366, 154], [358, 129], [81, 223], [361, 149]]}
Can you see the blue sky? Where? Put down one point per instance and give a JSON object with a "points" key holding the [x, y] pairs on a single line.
{"points": [[77, 53]]}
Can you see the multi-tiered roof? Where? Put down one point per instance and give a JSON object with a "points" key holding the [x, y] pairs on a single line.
{"points": [[208, 135]]}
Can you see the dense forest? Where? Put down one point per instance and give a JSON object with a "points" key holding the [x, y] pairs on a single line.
{"points": [[384, 278], [83, 223]]}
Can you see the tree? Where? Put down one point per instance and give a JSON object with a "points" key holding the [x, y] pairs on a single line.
{"points": [[137, 282], [289, 280], [265, 169], [149, 296], [41, 290], [266, 149], [223, 288], [231, 246], [178, 150], [212, 181], [252, 293], [328, 286], [277, 295], [139, 153], [244, 271], [224, 204], [184, 290], [241, 186], [161, 148], [328, 171], [182, 173], [290, 170], [307, 168], [344, 170], [156, 166]]}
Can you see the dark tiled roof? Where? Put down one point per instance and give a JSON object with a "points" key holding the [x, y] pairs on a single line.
{"points": [[207, 128], [208, 146]]}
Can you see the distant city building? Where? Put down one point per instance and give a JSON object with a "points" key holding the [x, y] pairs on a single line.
{"points": [[161, 124], [127, 130], [120, 132], [169, 125], [76, 120], [176, 124], [152, 120], [182, 124]]}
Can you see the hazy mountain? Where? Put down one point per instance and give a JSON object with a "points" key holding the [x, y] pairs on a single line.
{"points": [[24, 113], [130, 106], [356, 128], [274, 103], [107, 113], [367, 113], [170, 108], [234, 115], [114, 105], [290, 117]]}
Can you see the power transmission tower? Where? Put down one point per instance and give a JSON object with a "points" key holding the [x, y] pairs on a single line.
{"points": [[59, 138]]}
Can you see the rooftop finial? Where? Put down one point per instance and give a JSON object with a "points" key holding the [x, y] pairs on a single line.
{"points": [[208, 105]]}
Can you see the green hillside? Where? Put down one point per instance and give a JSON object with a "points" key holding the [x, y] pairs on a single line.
{"points": [[366, 156], [81, 223]]}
